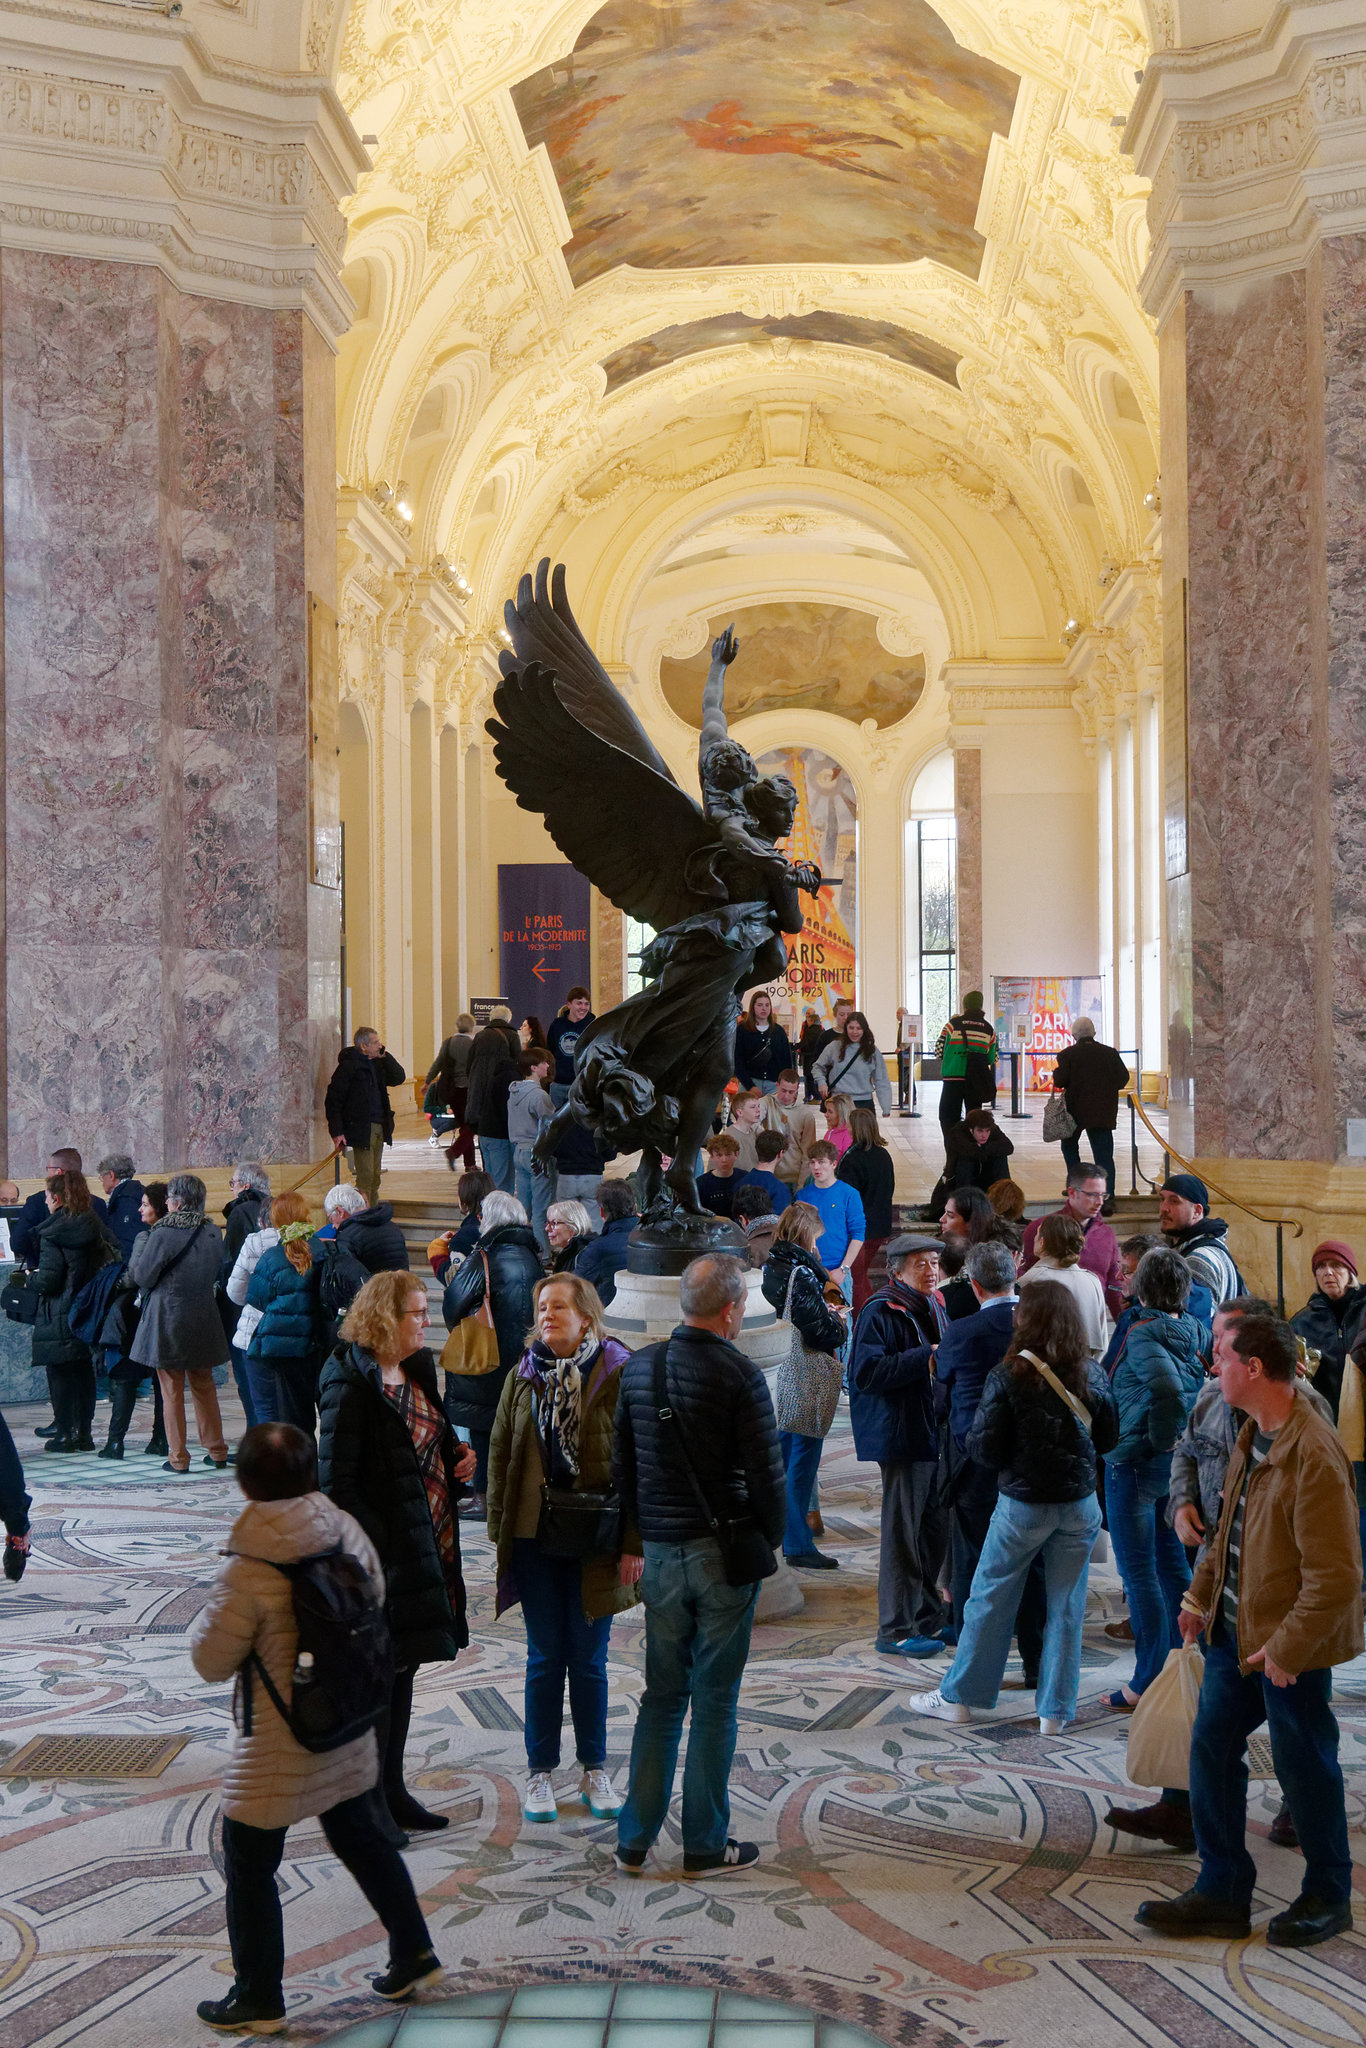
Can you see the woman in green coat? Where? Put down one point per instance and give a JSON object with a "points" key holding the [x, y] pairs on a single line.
{"points": [[554, 1424]]}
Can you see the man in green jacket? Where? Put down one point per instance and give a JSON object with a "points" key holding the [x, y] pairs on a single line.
{"points": [[1277, 1596]]}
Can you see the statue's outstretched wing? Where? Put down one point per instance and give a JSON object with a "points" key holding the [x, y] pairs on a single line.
{"points": [[569, 747]]}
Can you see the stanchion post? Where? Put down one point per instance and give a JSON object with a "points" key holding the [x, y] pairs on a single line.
{"points": [[1017, 1115], [1133, 1149], [1280, 1270]]}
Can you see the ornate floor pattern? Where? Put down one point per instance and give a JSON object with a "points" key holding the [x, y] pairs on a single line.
{"points": [[928, 1884]]}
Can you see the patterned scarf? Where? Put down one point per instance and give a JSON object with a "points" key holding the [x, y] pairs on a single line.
{"points": [[180, 1219], [559, 1406]]}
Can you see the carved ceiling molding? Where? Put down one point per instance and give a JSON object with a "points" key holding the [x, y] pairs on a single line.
{"points": [[1263, 133], [127, 138]]}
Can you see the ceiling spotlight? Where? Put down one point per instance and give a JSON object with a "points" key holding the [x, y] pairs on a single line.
{"points": [[404, 510], [1071, 631], [383, 494], [1152, 500]]}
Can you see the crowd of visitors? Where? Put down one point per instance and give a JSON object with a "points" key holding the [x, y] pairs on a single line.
{"points": [[1019, 1385]]}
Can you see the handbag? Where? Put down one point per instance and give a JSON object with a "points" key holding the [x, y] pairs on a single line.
{"points": [[471, 1350], [809, 1382], [746, 1553], [20, 1301], [1058, 1120], [574, 1521], [1079, 1408], [1158, 1749]]}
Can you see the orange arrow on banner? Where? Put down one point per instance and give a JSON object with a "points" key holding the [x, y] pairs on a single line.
{"points": [[538, 965]]}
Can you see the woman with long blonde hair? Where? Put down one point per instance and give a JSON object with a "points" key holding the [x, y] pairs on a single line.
{"points": [[291, 1336]]}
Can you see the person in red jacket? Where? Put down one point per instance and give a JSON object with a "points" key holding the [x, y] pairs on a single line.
{"points": [[1082, 1199]]}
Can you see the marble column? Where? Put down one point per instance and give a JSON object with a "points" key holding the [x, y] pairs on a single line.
{"points": [[158, 839], [1269, 1016], [967, 804]]}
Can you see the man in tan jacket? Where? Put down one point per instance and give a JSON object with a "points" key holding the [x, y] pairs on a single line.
{"points": [[1277, 1596]]}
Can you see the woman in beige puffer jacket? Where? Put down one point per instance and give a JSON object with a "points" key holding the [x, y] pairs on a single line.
{"points": [[271, 1781]]}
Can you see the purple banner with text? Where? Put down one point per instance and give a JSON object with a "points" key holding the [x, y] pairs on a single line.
{"points": [[543, 931]]}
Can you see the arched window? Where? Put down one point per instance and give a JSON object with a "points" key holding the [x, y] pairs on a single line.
{"points": [[931, 897]]}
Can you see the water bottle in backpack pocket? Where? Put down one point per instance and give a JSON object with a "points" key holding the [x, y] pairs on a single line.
{"points": [[344, 1664]]}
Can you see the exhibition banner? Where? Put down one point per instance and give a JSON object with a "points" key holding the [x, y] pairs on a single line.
{"points": [[820, 958], [1034, 1017], [543, 932]]}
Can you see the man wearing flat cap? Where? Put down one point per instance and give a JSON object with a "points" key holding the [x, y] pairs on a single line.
{"points": [[891, 1405], [1183, 1207]]}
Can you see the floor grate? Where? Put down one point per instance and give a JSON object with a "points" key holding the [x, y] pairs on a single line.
{"points": [[93, 1756]]}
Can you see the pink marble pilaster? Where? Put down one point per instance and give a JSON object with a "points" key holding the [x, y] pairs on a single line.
{"points": [[155, 731], [967, 804], [1260, 932]]}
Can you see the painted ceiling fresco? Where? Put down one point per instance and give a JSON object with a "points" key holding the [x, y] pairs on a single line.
{"points": [[726, 330], [685, 133], [800, 656]]}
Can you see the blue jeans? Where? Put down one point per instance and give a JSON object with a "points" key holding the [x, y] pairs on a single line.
{"points": [[1065, 1532], [1102, 1145], [581, 1187], [1304, 1749], [1151, 1560], [801, 1461], [697, 1631], [246, 1393], [561, 1643], [260, 1378], [535, 1191], [496, 1154]]}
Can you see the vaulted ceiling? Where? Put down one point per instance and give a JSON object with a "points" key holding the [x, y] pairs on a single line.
{"points": [[623, 271]]}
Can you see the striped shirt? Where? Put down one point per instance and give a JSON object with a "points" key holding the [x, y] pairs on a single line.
{"points": [[1260, 1445]]}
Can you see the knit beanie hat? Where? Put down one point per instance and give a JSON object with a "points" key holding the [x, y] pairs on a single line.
{"points": [[1333, 1249], [1190, 1188], [972, 1003]]}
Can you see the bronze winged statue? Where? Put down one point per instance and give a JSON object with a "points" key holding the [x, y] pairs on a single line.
{"points": [[707, 878]]}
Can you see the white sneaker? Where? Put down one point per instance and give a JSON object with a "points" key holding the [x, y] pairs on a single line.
{"points": [[539, 1803], [600, 1796], [1050, 1725], [937, 1707]]}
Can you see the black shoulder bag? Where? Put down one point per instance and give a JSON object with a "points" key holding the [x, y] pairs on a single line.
{"points": [[746, 1552], [574, 1522]]}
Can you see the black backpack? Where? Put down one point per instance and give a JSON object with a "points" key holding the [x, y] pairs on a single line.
{"points": [[340, 1279], [344, 1665]]}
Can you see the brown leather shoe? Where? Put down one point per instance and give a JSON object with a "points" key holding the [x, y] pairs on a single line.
{"points": [[1120, 1631], [1160, 1822], [814, 1523]]}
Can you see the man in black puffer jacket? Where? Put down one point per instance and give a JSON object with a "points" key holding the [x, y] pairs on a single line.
{"points": [[697, 1626], [373, 1237], [891, 1405]]}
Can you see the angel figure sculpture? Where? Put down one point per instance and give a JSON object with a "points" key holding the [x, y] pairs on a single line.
{"points": [[708, 880]]}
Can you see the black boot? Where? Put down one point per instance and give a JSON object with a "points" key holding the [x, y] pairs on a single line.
{"points": [[62, 1415], [123, 1396], [158, 1447], [83, 1405]]}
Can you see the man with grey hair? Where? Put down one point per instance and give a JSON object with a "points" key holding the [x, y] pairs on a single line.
{"points": [[246, 1211], [123, 1196], [180, 1335], [891, 1405], [1091, 1076], [695, 1460], [968, 1353]]}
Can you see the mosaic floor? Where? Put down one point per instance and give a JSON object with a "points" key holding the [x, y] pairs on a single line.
{"points": [[923, 1883]]}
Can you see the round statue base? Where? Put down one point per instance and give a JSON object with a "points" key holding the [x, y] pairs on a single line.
{"points": [[645, 1310]]}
